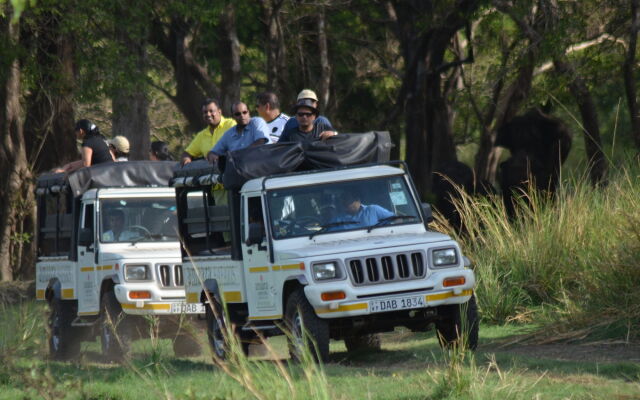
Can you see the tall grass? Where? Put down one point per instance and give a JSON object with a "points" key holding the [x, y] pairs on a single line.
{"points": [[570, 262]]}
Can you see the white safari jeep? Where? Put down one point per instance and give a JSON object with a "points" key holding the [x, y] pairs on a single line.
{"points": [[108, 255], [343, 253]]}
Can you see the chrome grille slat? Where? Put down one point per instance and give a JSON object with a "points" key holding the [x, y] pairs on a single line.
{"points": [[386, 268], [170, 275]]}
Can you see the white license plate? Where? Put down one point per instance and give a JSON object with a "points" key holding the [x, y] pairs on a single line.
{"points": [[396, 303], [187, 308]]}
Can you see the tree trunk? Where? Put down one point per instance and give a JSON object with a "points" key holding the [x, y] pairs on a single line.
{"points": [[428, 131], [193, 83], [325, 66], [275, 49], [229, 46], [591, 128], [16, 214], [49, 117], [629, 73], [130, 104]]}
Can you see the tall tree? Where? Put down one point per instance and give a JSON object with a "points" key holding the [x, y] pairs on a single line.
{"points": [[129, 100], [629, 71], [425, 31], [16, 202], [49, 104]]}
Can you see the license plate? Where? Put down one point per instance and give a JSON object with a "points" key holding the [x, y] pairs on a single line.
{"points": [[187, 308], [397, 303]]}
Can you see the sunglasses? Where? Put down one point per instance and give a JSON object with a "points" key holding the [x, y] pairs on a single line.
{"points": [[239, 113], [304, 114]]}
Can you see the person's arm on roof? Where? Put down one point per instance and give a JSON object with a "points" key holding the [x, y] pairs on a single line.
{"points": [[325, 127], [221, 147], [260, 131]]}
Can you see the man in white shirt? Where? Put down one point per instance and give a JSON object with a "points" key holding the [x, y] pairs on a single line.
{"points": [[268, 106]]}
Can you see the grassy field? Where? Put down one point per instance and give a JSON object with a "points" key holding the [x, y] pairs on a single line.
{"points": [[410, 366], [558, 295]]}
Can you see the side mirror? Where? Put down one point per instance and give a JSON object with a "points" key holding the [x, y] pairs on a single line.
{"points": [[256, 234], [426, 212], [85, 237]]}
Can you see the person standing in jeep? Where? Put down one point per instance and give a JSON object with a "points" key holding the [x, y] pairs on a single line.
{"points": [[306, 113], [217, 125]]}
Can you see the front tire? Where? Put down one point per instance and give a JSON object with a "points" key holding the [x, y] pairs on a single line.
{"points": [[115, 334], [307, 332], [454, 330], [64, 341], [217, 332]]}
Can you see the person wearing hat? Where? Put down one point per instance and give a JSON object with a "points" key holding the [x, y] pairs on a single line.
{"points": [[119, 148], [309, 94], [217, 125], [94, 148], [306, 113]]}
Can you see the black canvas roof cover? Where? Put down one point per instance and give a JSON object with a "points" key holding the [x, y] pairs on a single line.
{"points": [[117, 174], [337, 151]]}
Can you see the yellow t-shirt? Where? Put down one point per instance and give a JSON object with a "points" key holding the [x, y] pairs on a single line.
{"points": [[205, 140]]}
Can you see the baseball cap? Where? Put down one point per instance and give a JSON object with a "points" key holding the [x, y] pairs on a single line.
{"points": [[307, 94], [121, 143]]}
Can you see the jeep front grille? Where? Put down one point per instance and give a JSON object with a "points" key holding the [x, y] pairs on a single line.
{"points": [[170, 275], [386, 268]]}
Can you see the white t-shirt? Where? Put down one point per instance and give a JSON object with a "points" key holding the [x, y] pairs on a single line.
{"points": [[276, 127]]}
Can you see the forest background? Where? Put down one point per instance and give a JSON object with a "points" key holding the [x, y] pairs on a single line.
{"points": [[441, 76]]}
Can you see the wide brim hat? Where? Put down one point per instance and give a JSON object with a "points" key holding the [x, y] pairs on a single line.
{"points": [[308, 103]]}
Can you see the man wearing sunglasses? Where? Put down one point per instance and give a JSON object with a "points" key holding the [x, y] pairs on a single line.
{"points": [[308, 129], [247, 132]]}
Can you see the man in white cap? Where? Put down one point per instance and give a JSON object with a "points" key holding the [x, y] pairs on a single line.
{"points": [[308, 94], [316, 126], [119, 147]]}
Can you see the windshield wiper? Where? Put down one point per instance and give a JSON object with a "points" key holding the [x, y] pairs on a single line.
{"points": [[391, 218], [331, 225]]}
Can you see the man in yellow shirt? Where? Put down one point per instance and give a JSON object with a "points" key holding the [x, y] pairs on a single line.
{"points": [[217, 125]]}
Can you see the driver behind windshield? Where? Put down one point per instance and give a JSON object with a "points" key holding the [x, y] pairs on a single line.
{"points": [[360, 214], [116, 232]]}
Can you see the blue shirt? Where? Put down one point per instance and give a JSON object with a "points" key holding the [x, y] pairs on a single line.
{"points": [[291, 132], [234, 140], [366, 216]]}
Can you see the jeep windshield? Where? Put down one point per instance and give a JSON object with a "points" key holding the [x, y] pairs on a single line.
{"points": [[341, 206], [138, 220]]}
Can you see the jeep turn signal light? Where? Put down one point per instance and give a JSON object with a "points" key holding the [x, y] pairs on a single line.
{"points": [[328, 296], [455, 281], [140, 294]]}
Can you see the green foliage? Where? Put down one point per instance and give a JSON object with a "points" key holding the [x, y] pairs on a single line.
{"points": [[568, 262]]}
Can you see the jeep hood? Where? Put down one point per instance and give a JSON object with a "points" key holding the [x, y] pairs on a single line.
{"points": [[147, 255], [377, 242]]}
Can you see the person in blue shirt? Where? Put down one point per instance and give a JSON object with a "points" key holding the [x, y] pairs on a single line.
{"points": [[361, 215], [305, 112], [247, 132]]}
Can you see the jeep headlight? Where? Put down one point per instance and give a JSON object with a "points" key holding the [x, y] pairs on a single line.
{"points": [[136, 272], [324, 271], [442, 257]]}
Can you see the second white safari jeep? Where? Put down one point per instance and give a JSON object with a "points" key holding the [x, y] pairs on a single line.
{"points": [[339, 253], [109, 255]]}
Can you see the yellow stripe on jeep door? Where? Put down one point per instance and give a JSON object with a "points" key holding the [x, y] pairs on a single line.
{"points": [[259, 269], [67, 293], [234, 297]]}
